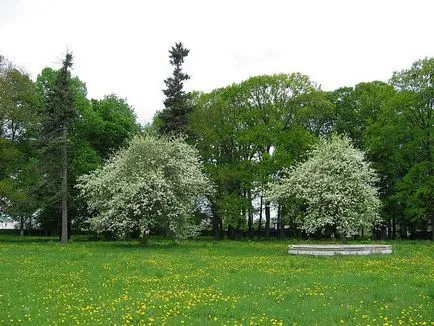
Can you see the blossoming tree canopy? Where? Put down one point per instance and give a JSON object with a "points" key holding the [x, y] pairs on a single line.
{"points": [[334, 188], [156, 181]]}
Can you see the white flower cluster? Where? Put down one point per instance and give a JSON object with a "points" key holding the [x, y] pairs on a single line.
{"points": [[334, 187], [156, 181]]}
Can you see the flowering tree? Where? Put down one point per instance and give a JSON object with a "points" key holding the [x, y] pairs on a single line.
{"points": [[333, 188], [156, 181]]}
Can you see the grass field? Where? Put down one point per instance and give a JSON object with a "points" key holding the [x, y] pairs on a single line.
{"points": [[203, 282]]}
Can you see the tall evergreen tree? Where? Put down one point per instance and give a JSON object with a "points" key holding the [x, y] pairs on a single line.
{"points": [[174, 118], [60, 112]]}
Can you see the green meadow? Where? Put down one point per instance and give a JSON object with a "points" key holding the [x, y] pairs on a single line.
{"points": [[203, 282]]}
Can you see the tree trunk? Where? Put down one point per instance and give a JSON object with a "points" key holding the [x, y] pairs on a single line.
{"points": [[432, 227], [281, 223], [393, 228], [383, 232], [216, 228], [429, 148], [389, 229], [267, 220], [278, 223], [144, 238], [216, 223], [343, 238], [403, 230], [250, 212], [21, 225], [230, 232], [64, 235], [260, 218]]}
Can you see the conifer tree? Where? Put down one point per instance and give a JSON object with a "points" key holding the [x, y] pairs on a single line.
{"points": [[174, 118], [60, 112]]}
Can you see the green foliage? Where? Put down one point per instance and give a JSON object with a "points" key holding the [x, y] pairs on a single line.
{"points": [[360, 107], [18, 129], [56, 93], [391, 122], [415, 107], [174, 118], [100, 128], [59, 112], [334, 188], [60, 109], [246, 132], [155, 182], [114, 124]]}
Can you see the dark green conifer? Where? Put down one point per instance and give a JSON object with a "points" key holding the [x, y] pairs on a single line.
{"points": [[174, 119]]}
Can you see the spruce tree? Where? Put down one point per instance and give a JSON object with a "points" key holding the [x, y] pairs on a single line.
{"points": [[59, 112], [174, 118]]}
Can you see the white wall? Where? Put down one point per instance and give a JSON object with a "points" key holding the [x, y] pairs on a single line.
{"points": [[7, 226]]}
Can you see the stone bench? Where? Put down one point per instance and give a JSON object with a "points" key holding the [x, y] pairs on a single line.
{"points": [[339, 249]]}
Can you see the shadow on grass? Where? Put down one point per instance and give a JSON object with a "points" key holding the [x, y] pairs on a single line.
{"points": [[26, 238]]}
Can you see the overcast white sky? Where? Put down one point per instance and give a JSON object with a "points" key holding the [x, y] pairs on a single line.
{"points": [[122, 46]]}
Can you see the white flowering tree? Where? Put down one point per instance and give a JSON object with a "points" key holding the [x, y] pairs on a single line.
{"points": [[333, 188], [156, 181]]}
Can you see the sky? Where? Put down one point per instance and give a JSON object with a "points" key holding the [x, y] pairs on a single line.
{"points": [[122, 47]]}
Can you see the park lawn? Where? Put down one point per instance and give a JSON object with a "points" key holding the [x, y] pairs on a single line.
{"points": [[203, 282]]}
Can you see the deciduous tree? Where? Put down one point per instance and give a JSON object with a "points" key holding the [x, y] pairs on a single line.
{"points": [[415, 104], [18, 131], [155, 182], [334, 188]]}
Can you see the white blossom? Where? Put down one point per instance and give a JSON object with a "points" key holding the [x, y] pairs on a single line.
{"points": [[334, 187], [156, 181]]}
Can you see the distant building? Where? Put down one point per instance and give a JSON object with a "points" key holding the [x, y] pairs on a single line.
{"points": [[6, 223]]}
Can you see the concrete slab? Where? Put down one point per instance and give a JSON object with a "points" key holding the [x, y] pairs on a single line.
{"points": [[338, 249]]}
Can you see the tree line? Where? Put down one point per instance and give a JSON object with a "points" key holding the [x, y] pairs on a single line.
{"points": [[50, 134], [245, 134]]}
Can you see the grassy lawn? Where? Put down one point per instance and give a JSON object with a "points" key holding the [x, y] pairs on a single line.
{"points": [[203, 282]]}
